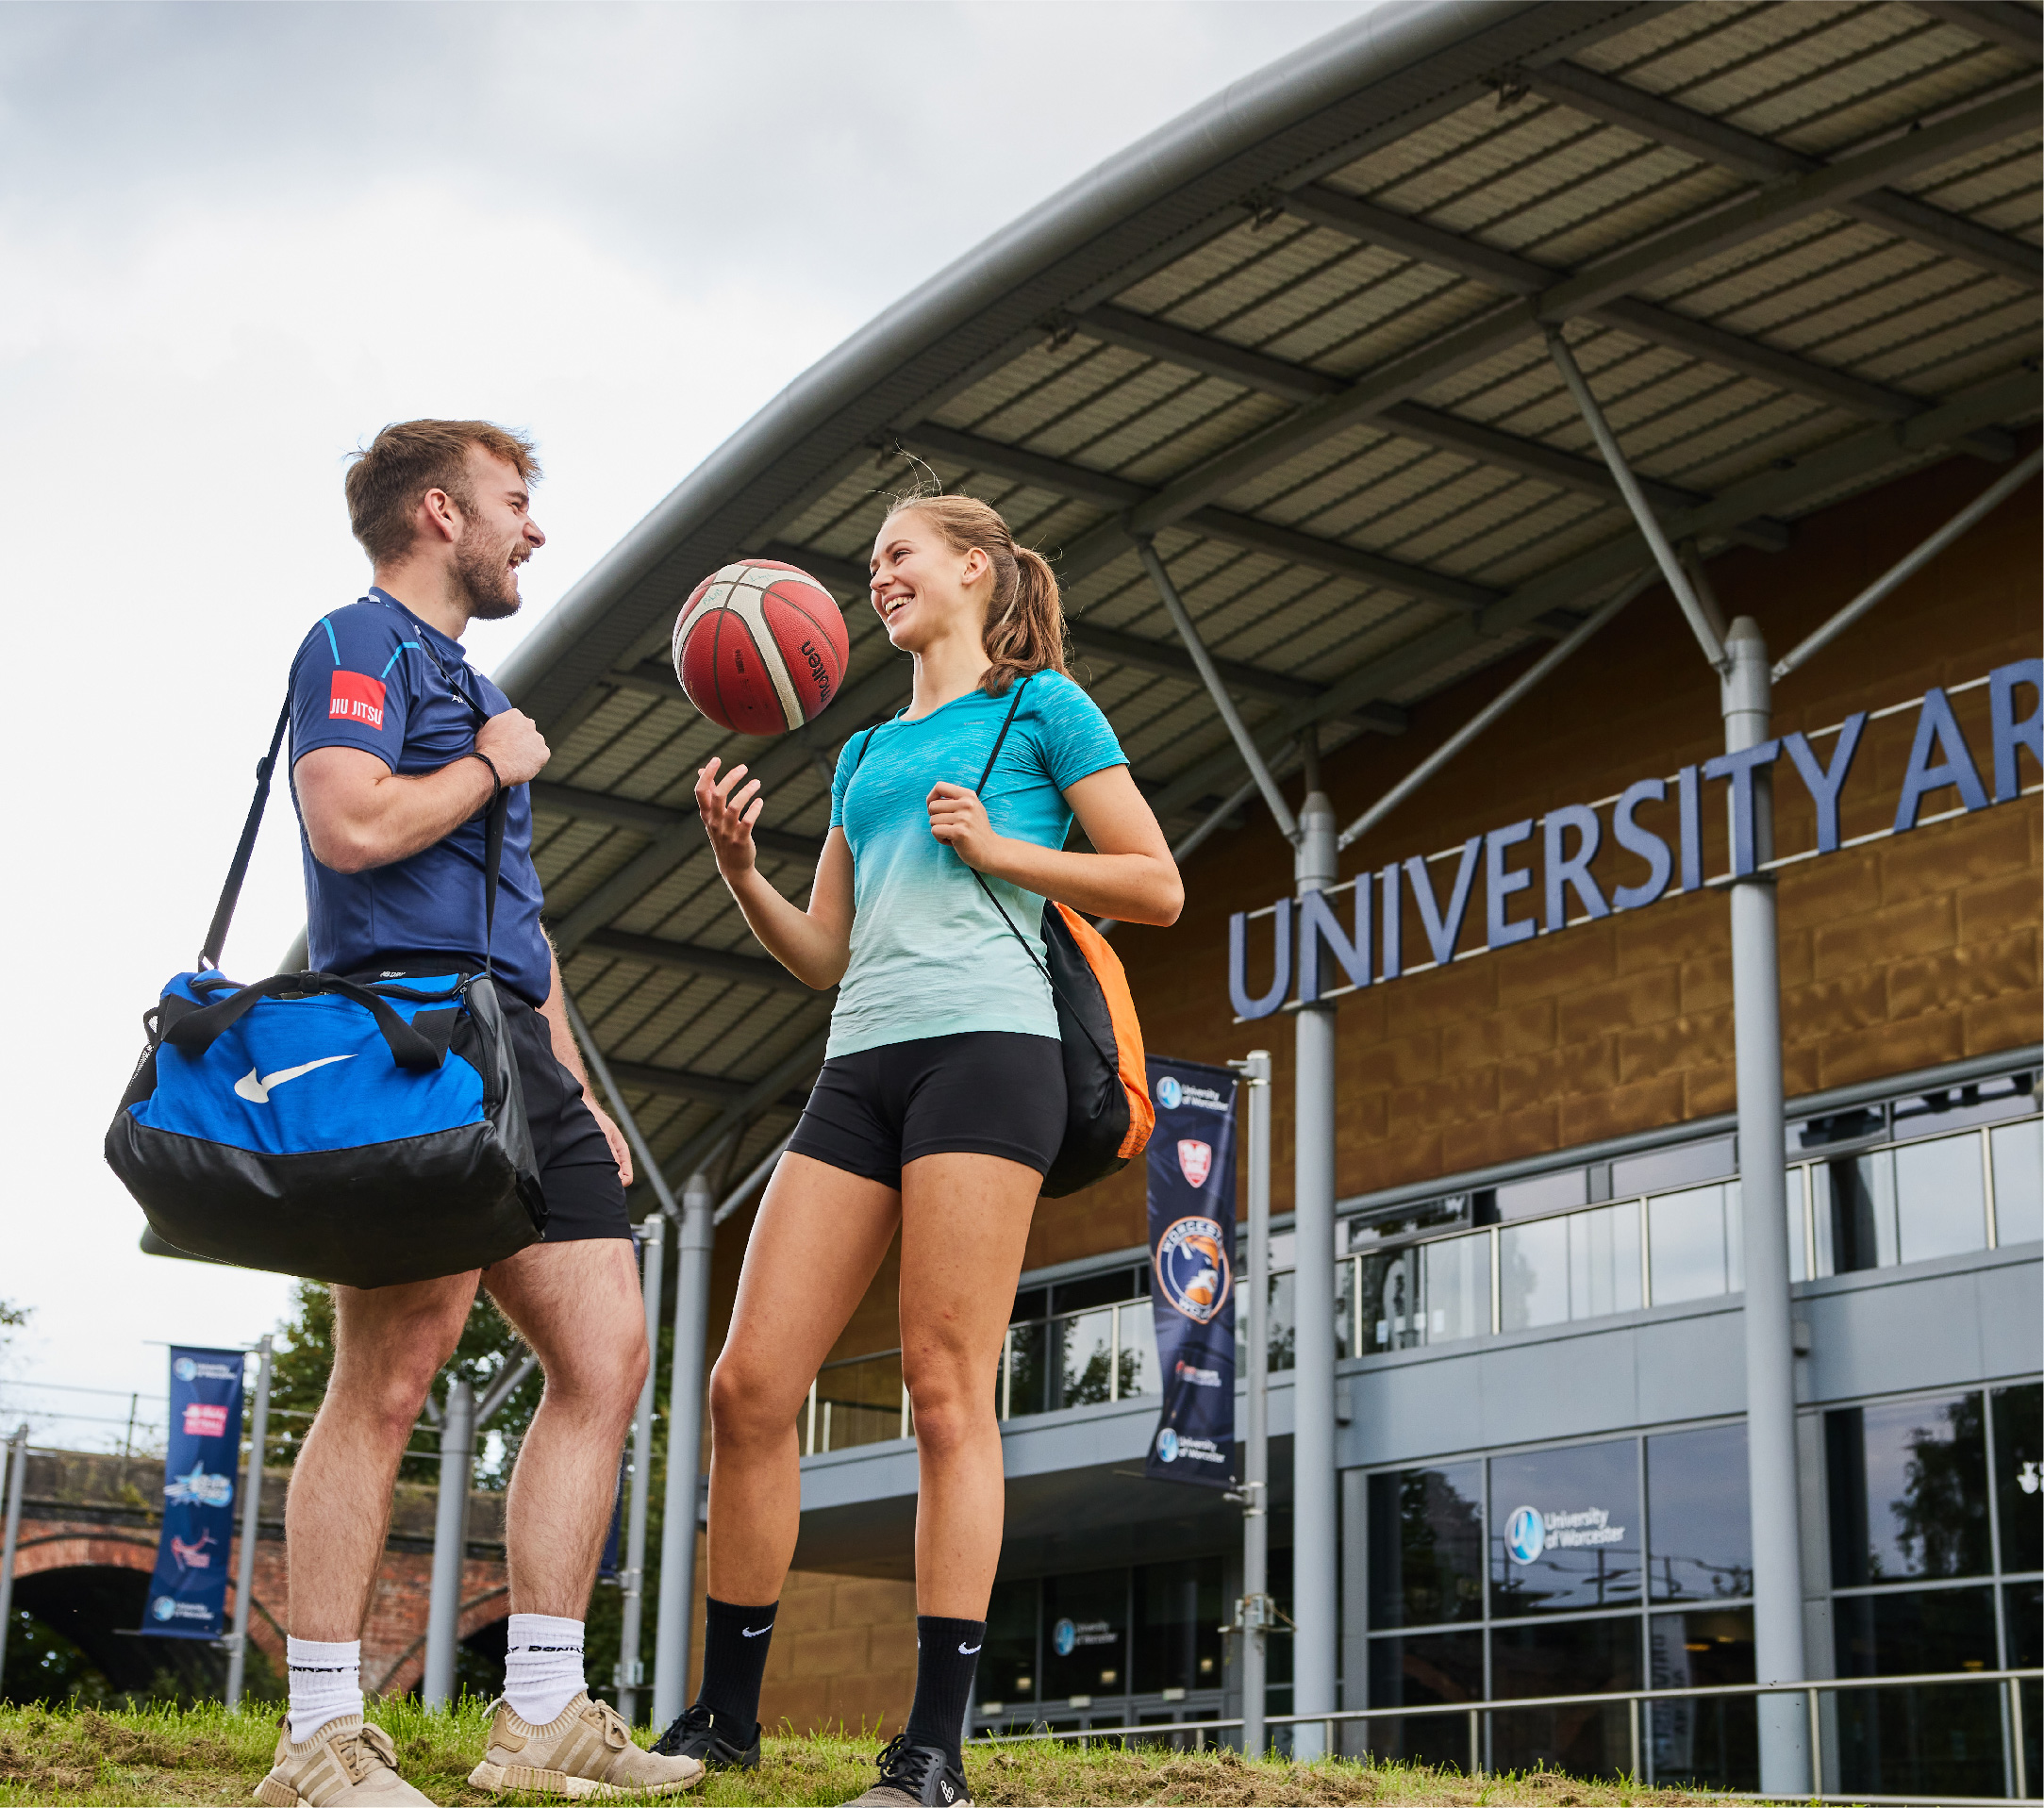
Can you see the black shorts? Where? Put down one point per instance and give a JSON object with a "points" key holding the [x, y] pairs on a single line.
{"points": [[585, 1198], [988, 1093]]}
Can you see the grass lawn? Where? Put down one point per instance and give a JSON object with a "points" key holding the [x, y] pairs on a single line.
{"points": [[204, 1754]]}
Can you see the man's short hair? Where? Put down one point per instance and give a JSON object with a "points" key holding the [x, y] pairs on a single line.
{"points": [[409, 457]]}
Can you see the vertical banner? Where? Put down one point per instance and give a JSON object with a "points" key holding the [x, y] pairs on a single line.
{"points": [[1193, 1271], [188, 1595]]}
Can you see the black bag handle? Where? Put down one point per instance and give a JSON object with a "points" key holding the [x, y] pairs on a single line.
{"points": [[230, 893], [195, 1031]]}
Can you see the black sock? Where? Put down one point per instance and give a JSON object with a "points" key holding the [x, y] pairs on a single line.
{"points": [[734, 1641], [947, 1659]]}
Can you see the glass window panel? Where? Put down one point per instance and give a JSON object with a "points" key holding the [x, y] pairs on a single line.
{"points": [[1603, 1261], [858, 1402], [2018, 1479], [1345, 1344], [1919, 1740], [1799, 1260], [1841, 1126], [1710, 1742], [1436, 1215], [2022, 1613], [1699, 1524], [1543, 1193], [1457, 1294], [1086, 1348], [1279, 1321], [1983, 1102], [1416, 1671], [1084, 1634], [1688, 1253], [1908, 1489], [1178, 1614], [1031, 1302], [1940, 1198], [1576, 1657], [1533, 1274], [1281, 1245], [1139, 1371], [1007, 1666], [1390, 1307], [1855, 1214], [2018, 1182], [1426, 1545], [1663, 1169], [1094, 1289], [1565, 1531], [1028, 1368]]}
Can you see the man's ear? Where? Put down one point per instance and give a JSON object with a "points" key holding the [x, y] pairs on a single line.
{"points": [[441, 518]]}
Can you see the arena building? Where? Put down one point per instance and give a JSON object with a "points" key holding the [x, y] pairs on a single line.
{"points": [[1656, 1077]]}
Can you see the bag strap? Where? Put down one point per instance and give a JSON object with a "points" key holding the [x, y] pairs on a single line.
{"points": [[411, 1045], [1020, 937], [230, 893]]}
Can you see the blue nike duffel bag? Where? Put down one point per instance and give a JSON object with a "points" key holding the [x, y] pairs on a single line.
{"points": [[365, 1132]]}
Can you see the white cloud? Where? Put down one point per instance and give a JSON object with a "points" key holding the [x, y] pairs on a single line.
{"points": [[236, 241]]}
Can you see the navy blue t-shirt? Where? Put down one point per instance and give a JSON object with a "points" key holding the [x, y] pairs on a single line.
{"points": [[373, 675]]}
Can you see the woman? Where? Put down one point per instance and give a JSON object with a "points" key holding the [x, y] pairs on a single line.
{"points": [[941, 1103]]}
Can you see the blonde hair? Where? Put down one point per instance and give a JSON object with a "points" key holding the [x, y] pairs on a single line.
{"points": [[1025, 621]]}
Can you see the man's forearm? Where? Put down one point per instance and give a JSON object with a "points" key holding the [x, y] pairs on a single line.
{"points": [[391, 819]]}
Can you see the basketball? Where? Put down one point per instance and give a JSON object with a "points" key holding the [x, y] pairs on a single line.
{"points": [[760, 647]]}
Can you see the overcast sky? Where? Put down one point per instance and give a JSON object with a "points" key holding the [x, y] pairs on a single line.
{"points": [[234, 242]]}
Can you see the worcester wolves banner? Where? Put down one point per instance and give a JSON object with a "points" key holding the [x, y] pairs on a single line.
{"points": [[1193, 1271], [188, 1595]]}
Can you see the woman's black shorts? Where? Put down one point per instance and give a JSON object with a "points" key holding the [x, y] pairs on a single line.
{"points": [[987, 1092]]}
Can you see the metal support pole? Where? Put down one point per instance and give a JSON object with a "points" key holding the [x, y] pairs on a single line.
{"points": [[1771, 1375], [631, 1671], [17, 1475], [244, 1573], [684, 1447], [450, 1544], [762, 1171], [1315, 1575], [1244, 741], [1251, 1613], [1910, 564], [643, 1166], [1490, 712], [1664, 554]]}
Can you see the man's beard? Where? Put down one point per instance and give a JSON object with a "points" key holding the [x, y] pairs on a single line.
{"points": [[490, 584]]}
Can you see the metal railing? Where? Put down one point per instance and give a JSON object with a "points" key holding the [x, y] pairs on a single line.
{"points": [[1476, 1712]]}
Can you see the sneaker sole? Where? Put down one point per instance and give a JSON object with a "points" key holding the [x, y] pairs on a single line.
{"points": [[277, 1795], [501, 1778]]}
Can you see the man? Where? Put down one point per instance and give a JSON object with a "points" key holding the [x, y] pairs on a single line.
{"points": [[393, 779]]}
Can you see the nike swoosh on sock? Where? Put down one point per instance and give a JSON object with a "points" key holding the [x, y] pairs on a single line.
{"points": [[970, 1650], [747, 1631]]}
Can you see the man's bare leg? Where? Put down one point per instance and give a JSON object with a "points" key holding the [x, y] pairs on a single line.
{"points": [[579, 1306], [388, 1344]]}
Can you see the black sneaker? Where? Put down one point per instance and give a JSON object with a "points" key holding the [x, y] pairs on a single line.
{"points": [[697, 1734], [914, 1776]]}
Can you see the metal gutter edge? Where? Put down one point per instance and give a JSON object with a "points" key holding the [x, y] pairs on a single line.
{"points": [[1295, 87]]}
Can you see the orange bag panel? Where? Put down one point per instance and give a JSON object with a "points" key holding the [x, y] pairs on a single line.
{"points": [[1113, 981]]}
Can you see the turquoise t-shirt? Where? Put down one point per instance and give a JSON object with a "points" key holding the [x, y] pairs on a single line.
{"points": [[930, 956]]}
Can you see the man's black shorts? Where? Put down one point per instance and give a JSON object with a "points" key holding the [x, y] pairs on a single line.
{"points": [[585, 1198], [982, 1092]]}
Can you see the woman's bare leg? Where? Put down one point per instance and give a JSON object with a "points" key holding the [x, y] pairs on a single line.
{"points": [[815, 1245], [965, 1222]]}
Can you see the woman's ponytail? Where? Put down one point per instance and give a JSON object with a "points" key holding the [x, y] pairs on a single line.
{"points": [[1025, 621]]}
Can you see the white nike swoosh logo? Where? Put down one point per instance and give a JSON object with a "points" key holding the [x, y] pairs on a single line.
{"points": [[748, 1632], [258, 1091], [970, 1650]]}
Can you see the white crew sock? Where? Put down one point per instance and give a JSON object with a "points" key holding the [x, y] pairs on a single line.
{"points": [[325, 1683], [542, 1667]]}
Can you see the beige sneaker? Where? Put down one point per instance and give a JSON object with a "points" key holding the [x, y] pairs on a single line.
{"points": [[585, 1750], [348, 1760]]}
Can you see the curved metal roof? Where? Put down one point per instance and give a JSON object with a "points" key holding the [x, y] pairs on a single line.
{"points": [[1297, 336]]}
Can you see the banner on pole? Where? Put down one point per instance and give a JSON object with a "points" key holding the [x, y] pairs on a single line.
{"points": [[188, 1594], [1191, 1173]]}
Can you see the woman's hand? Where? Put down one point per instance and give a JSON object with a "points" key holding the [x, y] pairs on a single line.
{"points": [[959, 820], [729, 816]]}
